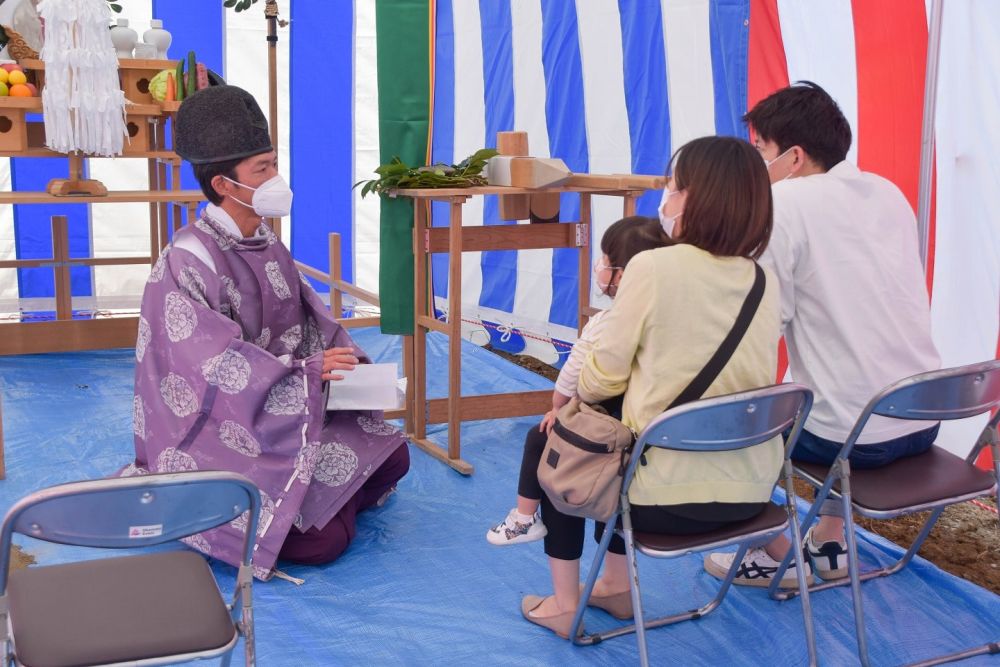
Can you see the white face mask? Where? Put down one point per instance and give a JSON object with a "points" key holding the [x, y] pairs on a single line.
{"points": [[271, 199], [768, 164], [668, 222], [606, 288]]}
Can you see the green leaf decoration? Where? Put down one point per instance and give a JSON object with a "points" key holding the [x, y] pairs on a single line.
{"points": [[396, 175]]}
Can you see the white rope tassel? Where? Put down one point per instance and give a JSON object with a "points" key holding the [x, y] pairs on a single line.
{"points": [[84, 105]]}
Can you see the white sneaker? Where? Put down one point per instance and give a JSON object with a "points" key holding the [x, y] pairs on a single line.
{"points": [[829, 558], [512, 531], [757, 569]]}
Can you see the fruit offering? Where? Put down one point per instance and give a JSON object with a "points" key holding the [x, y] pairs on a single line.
{"points": [[14, 82]]}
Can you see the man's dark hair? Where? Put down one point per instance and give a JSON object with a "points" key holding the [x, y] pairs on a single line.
{"points": [[803, 115], [728, 208], [206, 172]]}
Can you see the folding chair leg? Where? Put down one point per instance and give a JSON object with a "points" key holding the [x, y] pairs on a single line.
{"points": [[576, 629], [637, 612], [800, 570], [249, 646], [853, 572]]}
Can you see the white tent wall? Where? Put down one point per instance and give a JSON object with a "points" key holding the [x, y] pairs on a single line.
{"points": [[366, 150], [966, 273]]}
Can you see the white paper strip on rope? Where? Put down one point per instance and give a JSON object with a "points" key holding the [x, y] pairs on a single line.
{"points": [[84, 102]]}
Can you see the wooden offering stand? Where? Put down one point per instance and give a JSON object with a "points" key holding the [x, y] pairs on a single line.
{"points": [[146, 126], [515, 203]]}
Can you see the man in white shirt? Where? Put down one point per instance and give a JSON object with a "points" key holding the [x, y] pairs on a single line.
{"points": [[854, 304]]}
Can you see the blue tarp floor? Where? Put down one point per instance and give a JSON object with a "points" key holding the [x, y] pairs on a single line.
{"points": [[421, 586]]}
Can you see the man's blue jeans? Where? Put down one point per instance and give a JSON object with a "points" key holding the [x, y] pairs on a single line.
{"points": [[814, 449]]}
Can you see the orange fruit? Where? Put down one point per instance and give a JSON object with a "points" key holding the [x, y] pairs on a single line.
{"points": [[20, 90], [16, 77]]}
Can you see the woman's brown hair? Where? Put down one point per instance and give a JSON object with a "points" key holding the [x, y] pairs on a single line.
{"points": [[728, 209], [629, 236]]}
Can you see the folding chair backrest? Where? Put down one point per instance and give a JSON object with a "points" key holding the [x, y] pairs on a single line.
{"points": [[729, 422], [952, 393], [134, 511]]}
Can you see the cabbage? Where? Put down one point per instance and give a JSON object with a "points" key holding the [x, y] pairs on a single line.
{"points": [[158, 85]]}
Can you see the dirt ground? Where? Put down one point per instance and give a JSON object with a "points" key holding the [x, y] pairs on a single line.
{"points": [[965, 541]]}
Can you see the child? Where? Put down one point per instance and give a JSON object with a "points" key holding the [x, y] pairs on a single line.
{"points": [[622, 241]]}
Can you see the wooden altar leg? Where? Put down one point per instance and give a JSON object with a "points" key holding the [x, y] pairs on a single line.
{"points": [[628, 204], [584, 262], [154, 218], [408, 368], [419, 378], [420, 404], [455, 335], [161, 179], [60, 255]]}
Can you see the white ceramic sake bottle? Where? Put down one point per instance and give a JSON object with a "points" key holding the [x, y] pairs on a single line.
{"points": [[124, 38], [158, 37]]}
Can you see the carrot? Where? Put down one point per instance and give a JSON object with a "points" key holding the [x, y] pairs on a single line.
{"points": [[171, 88]]}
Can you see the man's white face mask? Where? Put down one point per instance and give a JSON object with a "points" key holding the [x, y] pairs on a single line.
{"points": [[271, 199], [668, 222], [768, 163]]}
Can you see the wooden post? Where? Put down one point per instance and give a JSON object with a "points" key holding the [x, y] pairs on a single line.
{"points": [[408, 371], [584, 261], [513, 207], [628, 206], [175, 182], [60, 253], [154, 220], [161, 177], [336, 273], [455, 333], [419, 378]]}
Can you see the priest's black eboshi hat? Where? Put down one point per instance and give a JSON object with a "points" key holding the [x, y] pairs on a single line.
{"points": [[218, 124]]}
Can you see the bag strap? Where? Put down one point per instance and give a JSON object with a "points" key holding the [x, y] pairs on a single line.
{"points": [[704, 379]]}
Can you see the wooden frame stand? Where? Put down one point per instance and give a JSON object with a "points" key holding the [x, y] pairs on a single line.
{"points": [[454, 240]]}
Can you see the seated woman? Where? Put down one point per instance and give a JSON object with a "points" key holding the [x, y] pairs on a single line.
{"points": [[673, 308]]}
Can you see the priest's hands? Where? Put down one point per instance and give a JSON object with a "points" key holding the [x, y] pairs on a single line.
{"points": [[338, 359]]}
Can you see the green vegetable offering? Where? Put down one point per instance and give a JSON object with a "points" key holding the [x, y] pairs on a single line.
{"points": [[191, 86], [398, 175], [179, 79]]}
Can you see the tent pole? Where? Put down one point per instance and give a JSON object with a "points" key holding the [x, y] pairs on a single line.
{"points": [[927, 130], [271, 14]]}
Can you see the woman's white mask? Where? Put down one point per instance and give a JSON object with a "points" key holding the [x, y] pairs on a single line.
{"points": [[668, 222]]}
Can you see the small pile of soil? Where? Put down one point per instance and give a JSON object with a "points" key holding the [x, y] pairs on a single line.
{"points": [[20, 559], [965, 540]]}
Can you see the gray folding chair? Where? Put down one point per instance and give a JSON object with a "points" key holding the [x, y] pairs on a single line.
{"points": [[929, 481], [150, 609], [722, 423]]}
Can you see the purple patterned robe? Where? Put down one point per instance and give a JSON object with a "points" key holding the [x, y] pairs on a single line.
{"points": [[228, 378]]}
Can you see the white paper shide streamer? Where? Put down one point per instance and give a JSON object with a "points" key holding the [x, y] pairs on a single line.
{"points": [[83, 101]]}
